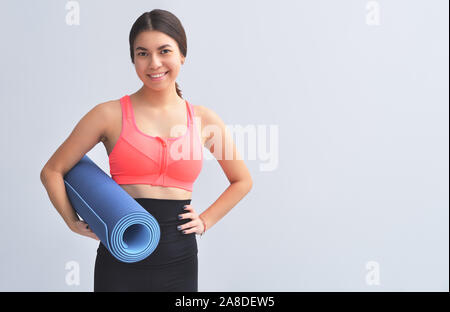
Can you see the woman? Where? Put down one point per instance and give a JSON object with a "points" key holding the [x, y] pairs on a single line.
{"points": [[154, 140]]}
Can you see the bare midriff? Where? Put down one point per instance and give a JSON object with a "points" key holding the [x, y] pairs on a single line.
{"points": [[153, 191]]}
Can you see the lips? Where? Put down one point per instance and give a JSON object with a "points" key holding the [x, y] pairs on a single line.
{"points": [[157, 74]]}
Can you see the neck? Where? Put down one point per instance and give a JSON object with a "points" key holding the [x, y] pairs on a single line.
{"points": [[158, 99]]}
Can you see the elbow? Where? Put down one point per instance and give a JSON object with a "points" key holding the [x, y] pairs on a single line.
{"points": [[43, 175], [47, 174], [244, 184], [247, 185]]}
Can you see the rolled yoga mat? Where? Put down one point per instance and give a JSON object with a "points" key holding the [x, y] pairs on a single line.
{"points": [[123, 226]]}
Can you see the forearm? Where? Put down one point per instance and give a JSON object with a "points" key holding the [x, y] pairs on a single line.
{"points": [[56, 190], [226, 201]]}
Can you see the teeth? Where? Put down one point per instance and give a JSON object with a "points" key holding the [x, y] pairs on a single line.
{"points": [[156, 76]]}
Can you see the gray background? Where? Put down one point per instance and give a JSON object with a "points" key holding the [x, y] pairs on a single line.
{"points": [[362, 113]]}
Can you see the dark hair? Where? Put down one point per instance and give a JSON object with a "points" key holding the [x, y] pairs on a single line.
{"points": [[163, 21]]}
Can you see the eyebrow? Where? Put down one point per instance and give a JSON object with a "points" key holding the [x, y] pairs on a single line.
{"points": [[161, 47]]}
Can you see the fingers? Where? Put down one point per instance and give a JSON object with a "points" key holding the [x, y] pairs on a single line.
{"points": [[192, 226], [84, 229], [188, 215], [89, 232], [195, 229], [83, 225], [189, 227], [92, 234], [189, 208]]}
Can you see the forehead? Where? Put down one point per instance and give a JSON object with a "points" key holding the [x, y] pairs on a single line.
{"points": [[153, 39]]}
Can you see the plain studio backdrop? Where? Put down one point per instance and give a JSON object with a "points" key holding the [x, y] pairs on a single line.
{"points": [[343, 106]]}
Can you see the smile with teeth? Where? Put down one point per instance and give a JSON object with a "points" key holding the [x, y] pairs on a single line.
{"points": [[158, 75]]}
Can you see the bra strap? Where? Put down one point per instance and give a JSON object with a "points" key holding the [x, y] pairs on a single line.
{"points": [[126, 107], [191, 114]]}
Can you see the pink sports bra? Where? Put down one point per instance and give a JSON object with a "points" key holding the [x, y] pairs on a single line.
{"points": [[138, 158]]}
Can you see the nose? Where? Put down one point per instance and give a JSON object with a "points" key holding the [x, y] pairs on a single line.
{"points": [[154, 63]]}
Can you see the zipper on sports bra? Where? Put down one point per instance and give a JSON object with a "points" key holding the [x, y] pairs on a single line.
{"points": [[164, 156]]}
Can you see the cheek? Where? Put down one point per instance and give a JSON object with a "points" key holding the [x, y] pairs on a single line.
{"points": [[174, 70], [140, 67], [141, 72]]}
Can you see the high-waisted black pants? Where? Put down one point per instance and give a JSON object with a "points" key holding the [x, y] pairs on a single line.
{"points": [[173, 265]]}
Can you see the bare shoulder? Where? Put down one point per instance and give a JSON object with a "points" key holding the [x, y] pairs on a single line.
{"points": [[207, 115], [110, 106], [198, 110]]}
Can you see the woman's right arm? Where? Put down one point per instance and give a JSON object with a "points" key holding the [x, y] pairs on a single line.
{"points": [[89, 131]]}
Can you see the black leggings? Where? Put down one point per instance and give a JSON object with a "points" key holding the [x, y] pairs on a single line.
{"points": [[173, 265]]}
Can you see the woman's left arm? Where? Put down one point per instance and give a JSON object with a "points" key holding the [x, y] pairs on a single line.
{"points": [[220, 143]]}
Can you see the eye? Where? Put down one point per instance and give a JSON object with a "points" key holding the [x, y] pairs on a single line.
{"points": [[140, 53]]}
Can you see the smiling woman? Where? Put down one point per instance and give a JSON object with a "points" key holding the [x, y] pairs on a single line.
{"points": [[165, 58], [143, 165], [155, 148]]}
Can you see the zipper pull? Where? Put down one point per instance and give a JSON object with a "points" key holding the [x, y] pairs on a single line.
{"points": [[162, 141]]}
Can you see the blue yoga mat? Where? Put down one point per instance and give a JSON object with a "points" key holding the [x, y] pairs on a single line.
{"points": [[126, 229]]}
